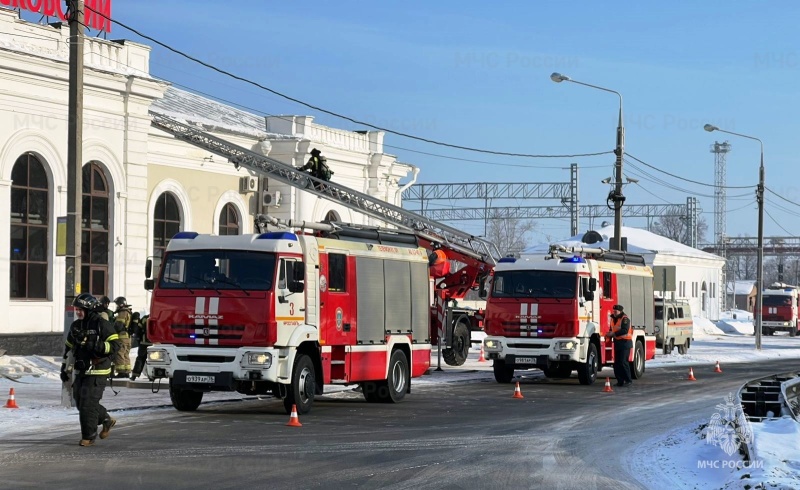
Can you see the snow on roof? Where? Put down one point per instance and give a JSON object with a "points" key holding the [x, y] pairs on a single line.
{"points": [[639, 241], [741, 288], [212, 115]]}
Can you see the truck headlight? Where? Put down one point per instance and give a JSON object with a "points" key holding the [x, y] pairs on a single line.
{"points": [[263, 359], [492, 344], [157, 356], [785, 324], [568, 345]]}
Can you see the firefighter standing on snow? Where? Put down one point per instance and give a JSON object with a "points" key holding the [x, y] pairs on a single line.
{"points": [[93, 342], [122, 320], [622, 333]]}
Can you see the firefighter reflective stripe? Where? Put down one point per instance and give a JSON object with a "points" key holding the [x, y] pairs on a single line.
{"points": [[69, 344], [107, 343], [99, 372], [528, 320], [200, 311]]}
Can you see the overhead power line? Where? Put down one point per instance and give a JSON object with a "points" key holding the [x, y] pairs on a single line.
{"points": [[688, 180], [332, 113]]}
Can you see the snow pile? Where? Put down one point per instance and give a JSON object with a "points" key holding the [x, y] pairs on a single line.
{"points": [[776, 459], [705, 328]]}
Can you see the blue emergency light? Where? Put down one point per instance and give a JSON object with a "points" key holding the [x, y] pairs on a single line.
{"points": [[186, 235], [508, 260], [277, 235], [575, 259]]}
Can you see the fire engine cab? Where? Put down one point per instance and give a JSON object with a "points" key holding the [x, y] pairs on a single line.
{"points": [[552, 313], [779, 306]]}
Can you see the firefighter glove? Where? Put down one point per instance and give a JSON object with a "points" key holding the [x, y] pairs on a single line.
{"points": [[64, 375]]}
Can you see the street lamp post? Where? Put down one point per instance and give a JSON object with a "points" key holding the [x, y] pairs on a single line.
{"points": [[616, 195], [757, 313]]}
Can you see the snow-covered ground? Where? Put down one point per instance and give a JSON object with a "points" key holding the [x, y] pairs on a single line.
{"points": [[683, 453]]}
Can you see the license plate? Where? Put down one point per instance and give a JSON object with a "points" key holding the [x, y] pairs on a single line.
{"points": [[199, 379], [525, 360]]}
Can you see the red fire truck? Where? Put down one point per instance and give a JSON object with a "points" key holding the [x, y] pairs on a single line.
{"points": [[552, 313], [779, 304], [285, 312]]}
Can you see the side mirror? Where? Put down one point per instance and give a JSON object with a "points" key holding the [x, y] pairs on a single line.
{"points": [[148, 268], [296, 287], [483, 293], [592, 284], [589, 295], [149, 284]]}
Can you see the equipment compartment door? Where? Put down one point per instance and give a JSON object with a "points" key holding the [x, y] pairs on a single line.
{"points": [[337, 299]]}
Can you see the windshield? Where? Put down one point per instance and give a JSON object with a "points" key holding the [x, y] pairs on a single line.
{"points": [[769, 300], [535, 284], [218, 269]]}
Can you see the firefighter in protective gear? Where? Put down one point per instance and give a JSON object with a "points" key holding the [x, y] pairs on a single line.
{"points": [[140, 332], [317, 165], [105, 312], [93, 342], [122, 321], [622, 333]]}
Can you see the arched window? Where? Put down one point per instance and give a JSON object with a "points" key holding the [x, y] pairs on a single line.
{"points": [[30, 214], [166, 223], [95, 226], [332, 216], [229, 221]]}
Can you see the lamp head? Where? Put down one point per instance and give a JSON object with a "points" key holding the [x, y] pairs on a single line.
{"points": [[607, 180], [710, 128], [632, 181], [558, 78]]}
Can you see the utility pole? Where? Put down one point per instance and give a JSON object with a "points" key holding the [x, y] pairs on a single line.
{"points": [[72, 279]]}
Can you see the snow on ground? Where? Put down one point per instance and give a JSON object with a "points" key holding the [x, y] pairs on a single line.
{"points": [[684, 457]]}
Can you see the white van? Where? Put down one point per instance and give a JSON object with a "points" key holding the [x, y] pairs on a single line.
{"points": [[679, 330]]}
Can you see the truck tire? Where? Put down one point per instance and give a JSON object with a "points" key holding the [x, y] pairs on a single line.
{"points": [[683, 348], [502, 373], [301, 391], [587, 371], [184, 400], [669, 347], [558, 371], [457, 354], [637, 365], [394, 388], [792, 332]]}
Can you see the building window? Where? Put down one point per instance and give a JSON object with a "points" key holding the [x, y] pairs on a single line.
{"points": [[166, 223], [95, 230], [229, 221], [30, 214]]}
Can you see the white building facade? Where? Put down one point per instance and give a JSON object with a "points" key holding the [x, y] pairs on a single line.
{"points": [[140, 185]]}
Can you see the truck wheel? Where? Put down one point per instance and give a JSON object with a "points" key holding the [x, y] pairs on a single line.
{"points": [[637, 365], [394, 388], [587, 372], [301, 391], [184, 400], [684, 348], [502, 374], [457, 354], [669, 347], [792, 332]]}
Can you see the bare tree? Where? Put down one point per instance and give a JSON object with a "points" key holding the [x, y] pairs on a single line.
{"points": [[511, 235], [676, 228]]}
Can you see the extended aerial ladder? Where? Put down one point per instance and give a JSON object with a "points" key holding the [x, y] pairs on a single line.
{"points": [[477, 255]]}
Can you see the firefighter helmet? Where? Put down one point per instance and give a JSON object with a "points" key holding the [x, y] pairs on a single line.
{"points": [[121, 302], [86, 302]]}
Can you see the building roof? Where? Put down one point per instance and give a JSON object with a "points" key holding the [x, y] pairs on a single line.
{"points": [[741, 288], [210, 114], [639, 241]]}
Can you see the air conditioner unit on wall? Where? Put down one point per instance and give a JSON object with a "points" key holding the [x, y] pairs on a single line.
{"points": [[248, 184], [271, 199]]}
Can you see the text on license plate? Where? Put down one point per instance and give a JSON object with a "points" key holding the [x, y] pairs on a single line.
{"points": [[199, 379], [525, 360]]}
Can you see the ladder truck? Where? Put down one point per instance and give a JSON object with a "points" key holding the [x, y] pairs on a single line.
{"points": [[288, 310]]}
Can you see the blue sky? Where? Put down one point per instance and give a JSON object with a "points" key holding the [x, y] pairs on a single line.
{"points": [[474, 74]]}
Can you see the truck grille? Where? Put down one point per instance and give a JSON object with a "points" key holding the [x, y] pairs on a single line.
{"points": [[212, 359], [516, 329], [219, 332]]}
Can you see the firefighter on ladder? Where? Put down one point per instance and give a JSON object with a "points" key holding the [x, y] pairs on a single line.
{"points": [[622, 333], [317, 165]]}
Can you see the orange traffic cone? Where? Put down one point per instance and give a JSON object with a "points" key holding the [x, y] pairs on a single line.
{"points": [[607, 387], [482, 358], [691, 376], [11, 403], [294, 421], [517, 392], [717, 369]]}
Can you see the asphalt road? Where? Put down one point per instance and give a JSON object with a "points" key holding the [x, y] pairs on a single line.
{"points": [[466, 434]]}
